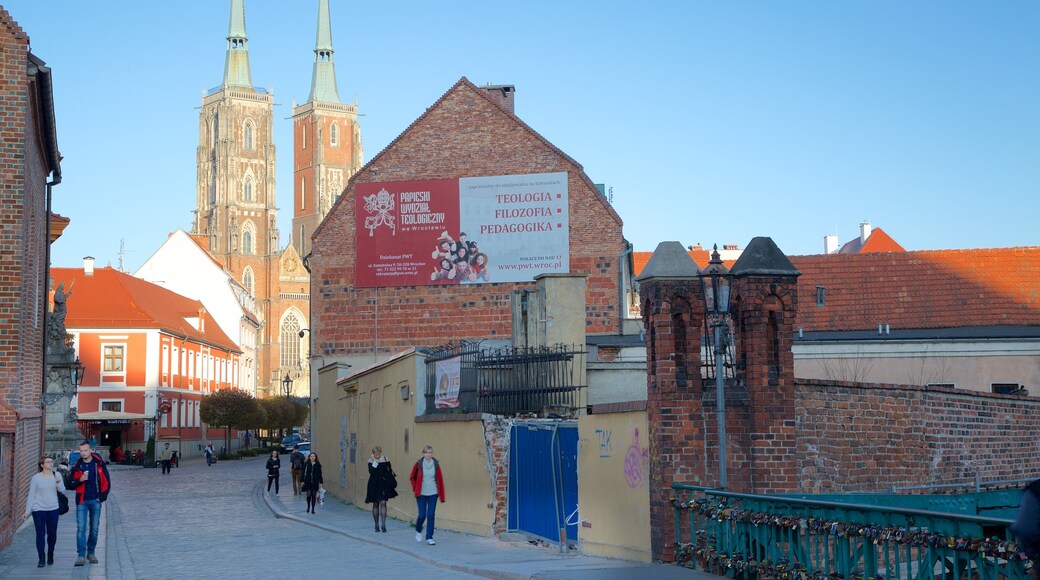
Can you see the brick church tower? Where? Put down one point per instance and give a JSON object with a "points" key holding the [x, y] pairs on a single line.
{"points": [[236, 213], [326, 142]]}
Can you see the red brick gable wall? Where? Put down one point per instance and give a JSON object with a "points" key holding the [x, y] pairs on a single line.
{"points": [[464, 134]]}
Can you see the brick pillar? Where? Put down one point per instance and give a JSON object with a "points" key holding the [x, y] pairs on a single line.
{"points": [[765, 300], [673, 316]]}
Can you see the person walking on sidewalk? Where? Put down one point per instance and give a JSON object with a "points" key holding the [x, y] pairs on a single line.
{"points": [[209, 454], [312, 480], [428, 485], [165, 457], [382, 485], [296, 461], [42, 504], [92, 488], [274, 465]]}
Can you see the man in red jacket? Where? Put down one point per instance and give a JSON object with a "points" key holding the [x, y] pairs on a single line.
{"points": [[92, 487]]}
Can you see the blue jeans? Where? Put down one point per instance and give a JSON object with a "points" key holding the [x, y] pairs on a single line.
{"points": [[46, 525], [427, 510], [89, 508]]}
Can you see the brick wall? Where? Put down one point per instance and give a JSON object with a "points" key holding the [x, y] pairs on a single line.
{"points": [[23, 219], [869, 437], [463, 134]]}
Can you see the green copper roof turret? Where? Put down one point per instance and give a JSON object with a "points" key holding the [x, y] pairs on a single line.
{"points": [[236, 63], [323, 80]]}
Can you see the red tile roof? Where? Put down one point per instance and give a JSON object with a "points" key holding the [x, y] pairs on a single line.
{"points": [[700, 256], [921, 289], [114, 299], [878, 241]]}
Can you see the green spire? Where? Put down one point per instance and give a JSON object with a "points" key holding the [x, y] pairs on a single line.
{"points": [[323, 80], [236, 63]]}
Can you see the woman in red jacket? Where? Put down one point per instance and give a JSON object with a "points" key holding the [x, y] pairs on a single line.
{"points": [[428, 485]]}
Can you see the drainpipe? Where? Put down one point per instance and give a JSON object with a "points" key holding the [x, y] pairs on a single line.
{"points": [[43, 306], [622, 299]]}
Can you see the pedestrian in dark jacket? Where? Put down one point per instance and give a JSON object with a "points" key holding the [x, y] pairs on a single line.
{"points": [[428, 485], [274, 465], [311, 480], [382, 485], [92, 487], [1027, 524]]}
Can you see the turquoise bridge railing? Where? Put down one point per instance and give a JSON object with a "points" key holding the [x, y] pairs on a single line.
{"points": [[793, 538]]}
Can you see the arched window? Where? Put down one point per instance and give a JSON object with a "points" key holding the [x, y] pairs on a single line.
{"points": [[247, 190], [304, 140], [303, 193], [290, 340], [248, 135], [334, 135], [247, 279], [248, 236]]}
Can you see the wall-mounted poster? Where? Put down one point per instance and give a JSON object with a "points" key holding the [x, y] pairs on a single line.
{"points": [[448, 378], [474, 230]]}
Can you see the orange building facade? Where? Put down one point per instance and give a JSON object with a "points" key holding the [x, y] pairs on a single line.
{"points": [[149, 358]]}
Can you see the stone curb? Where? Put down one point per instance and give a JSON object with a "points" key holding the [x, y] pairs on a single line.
{"points": [[453, 566]]}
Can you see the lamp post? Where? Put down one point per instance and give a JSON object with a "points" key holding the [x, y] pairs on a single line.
{"points": [[287, 385], [68, 390], [717, 284]]}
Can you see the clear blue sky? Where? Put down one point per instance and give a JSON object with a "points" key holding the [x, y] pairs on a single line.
{"points": [[713, 122]]}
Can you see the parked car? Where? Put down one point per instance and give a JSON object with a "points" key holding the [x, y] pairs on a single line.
{"points": [[305, 448], [288, 441]]}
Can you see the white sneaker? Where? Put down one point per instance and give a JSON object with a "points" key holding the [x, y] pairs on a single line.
{"points": [[418, 536], [431, 542]]}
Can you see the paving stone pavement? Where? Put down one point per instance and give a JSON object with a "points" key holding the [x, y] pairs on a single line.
{"points": [[218, 522]]}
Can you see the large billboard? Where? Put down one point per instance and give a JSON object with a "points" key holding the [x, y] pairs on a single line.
{"points": [[474, 230]]}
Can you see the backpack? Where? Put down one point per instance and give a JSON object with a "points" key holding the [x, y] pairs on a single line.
{"points": [[297, 460]]}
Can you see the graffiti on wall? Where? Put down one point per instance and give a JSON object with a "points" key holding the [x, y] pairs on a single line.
{"points": [[637, 462], [603, 435]]}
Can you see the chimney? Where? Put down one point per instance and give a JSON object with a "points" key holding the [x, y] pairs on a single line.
{"points": [[830, 243], [202, 320], [864, 232], [88, 266], [502, 95]]}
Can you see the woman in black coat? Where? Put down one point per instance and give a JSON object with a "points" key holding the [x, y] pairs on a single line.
{"points": [[311, 479], [382, 485]]}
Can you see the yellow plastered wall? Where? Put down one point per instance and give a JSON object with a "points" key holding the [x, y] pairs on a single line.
{"points": [[613, 485], [369, 409]]}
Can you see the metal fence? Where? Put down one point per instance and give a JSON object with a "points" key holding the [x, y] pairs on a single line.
{"points": [[745, 535], [510, 381]]}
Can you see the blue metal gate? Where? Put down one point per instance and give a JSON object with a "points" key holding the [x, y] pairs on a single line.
{"points": [[543, 479]]}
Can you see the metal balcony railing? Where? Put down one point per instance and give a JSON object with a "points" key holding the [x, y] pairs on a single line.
{"points": [[506, 381]]}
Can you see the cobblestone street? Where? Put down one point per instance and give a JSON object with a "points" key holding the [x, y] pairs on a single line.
{"points": [[218, 522], [201, 522]]}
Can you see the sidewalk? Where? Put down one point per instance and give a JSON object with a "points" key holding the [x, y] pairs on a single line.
{"points": [[480, 556], [19, 559]]}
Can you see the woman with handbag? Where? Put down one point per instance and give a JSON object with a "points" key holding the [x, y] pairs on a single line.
{"points": [[310, 477], [382, 485], [43, 503]]}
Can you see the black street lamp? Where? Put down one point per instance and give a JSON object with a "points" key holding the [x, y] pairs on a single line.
{"points": [[717, 285], [68, 390], [287, 385]]}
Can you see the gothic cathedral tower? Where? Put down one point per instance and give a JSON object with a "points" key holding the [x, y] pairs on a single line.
{"points": [[236, 211], [326, 142]]}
